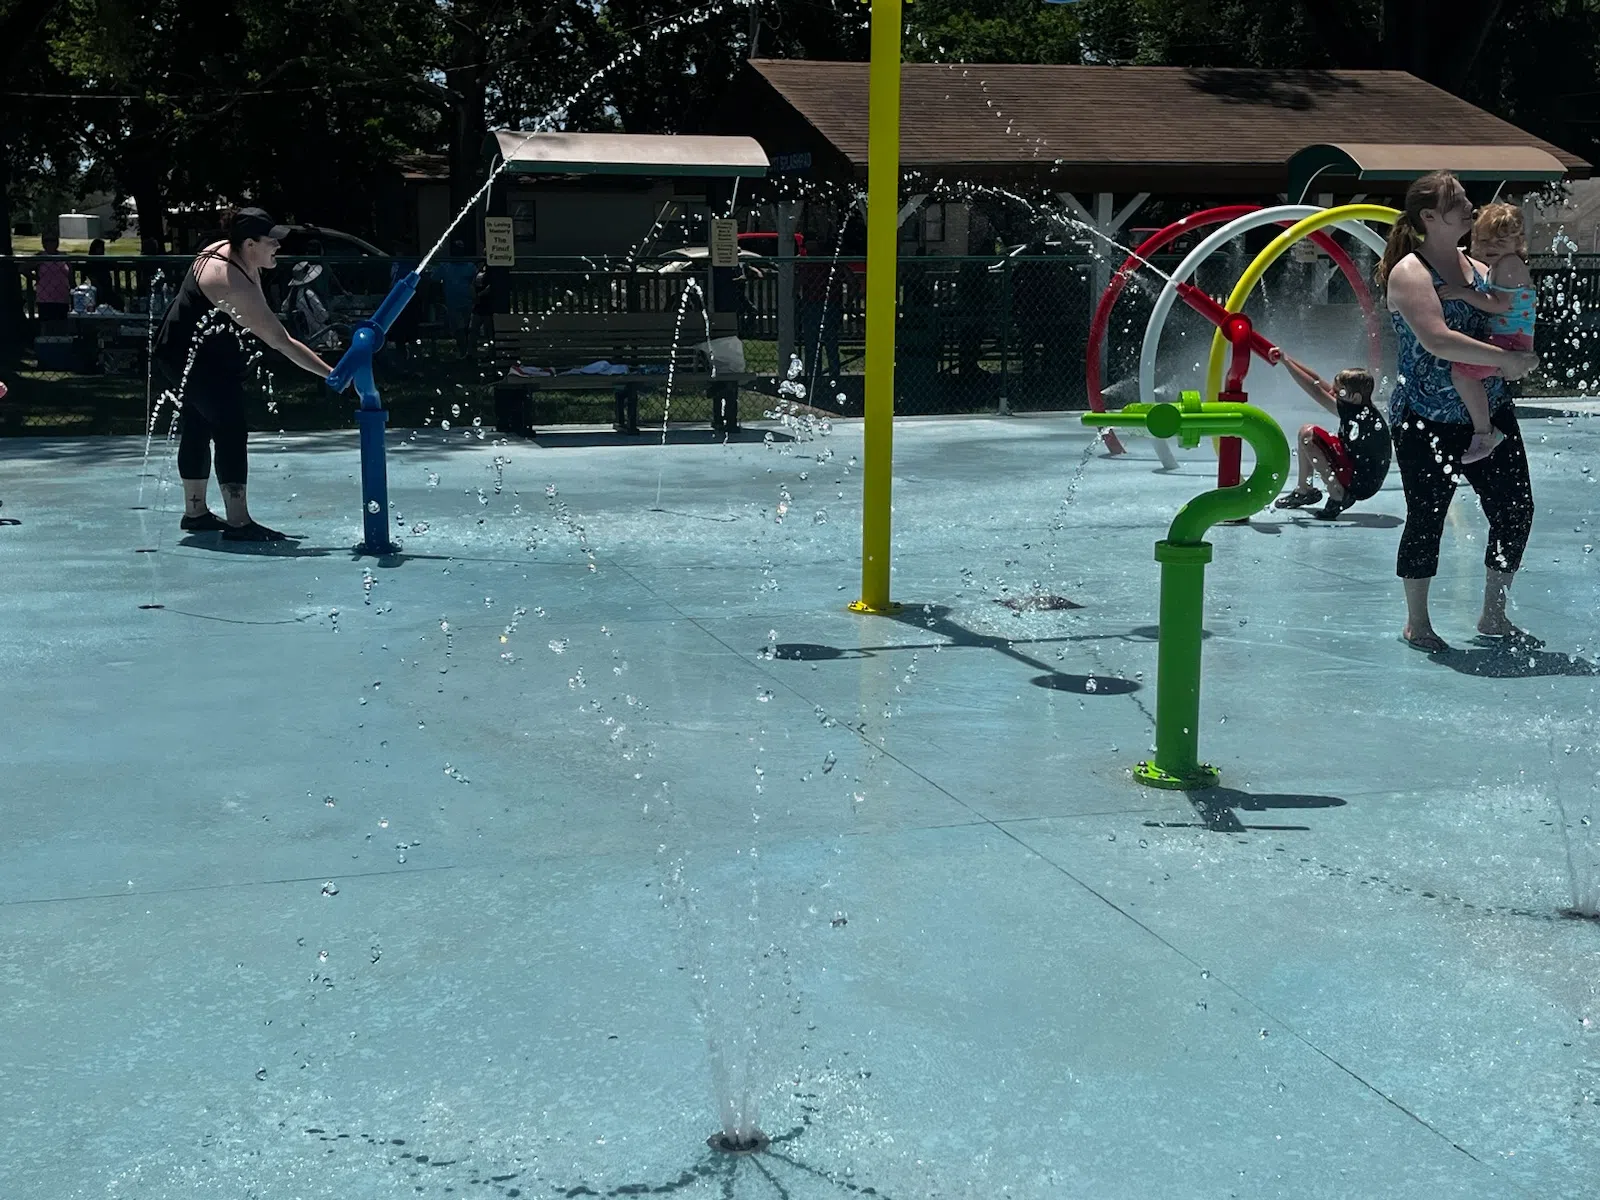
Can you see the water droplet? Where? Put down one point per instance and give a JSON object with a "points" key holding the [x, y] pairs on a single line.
{"points": [[444, 424], [558, 645], [455, 410], [330, 888], [372, 506]]}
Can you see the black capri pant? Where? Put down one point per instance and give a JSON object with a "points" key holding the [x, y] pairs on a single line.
{"points": [[212, 413], [1424, 450]]}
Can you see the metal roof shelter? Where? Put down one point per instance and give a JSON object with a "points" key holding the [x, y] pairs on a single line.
{"points": [[1159, 130], [1367, 161], [639, 154], [1119, 135]]}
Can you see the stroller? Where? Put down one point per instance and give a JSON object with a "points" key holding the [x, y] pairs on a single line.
{"points": [[303, 313]]}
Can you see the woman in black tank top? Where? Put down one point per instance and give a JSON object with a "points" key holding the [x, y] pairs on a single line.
{"points": [[210, 335]]}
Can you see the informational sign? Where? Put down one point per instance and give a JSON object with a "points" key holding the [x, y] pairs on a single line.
{"points": [[797, 163], [499, 243], [724, 242], [1305, 251]]}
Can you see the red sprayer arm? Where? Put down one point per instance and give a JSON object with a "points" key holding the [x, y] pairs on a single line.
{"points": [[1236, 328]]}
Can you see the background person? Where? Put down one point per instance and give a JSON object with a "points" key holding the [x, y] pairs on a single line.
{"points": [[1429, 421], [98, 272], [52, 281], [202, 351]]}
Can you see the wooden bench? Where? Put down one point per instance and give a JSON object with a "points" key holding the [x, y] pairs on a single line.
{"points": [[650, 344]]}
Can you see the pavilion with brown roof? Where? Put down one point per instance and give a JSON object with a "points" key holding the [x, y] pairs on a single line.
{"points": [[1155, 130], [1103, 140]]}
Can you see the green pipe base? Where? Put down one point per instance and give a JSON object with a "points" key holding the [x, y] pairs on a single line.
{"points": [[1203, 775]]}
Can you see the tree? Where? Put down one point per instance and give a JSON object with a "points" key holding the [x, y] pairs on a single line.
{"points": [[673, 73], [1527, 62], [33, 137], [1000, 31]]}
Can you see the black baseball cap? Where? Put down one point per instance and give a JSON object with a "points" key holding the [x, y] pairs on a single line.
{"points": [[250, 223]]}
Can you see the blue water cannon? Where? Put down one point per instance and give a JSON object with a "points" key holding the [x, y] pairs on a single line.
{"points": [[356, 368]]}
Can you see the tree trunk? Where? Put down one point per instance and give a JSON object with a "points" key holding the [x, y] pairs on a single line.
{"points": [[466, 80], [151, 206]]}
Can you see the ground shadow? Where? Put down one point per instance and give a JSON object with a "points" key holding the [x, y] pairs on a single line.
{"points": [[551, 439], [815, 652], [1218, 809], [1351, 520], [1504, 660], [1085, 685], [290, 548], [1152, 633], [935, 619]]}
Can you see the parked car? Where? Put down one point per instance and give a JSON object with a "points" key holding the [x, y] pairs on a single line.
{"points": [[695, 258]]}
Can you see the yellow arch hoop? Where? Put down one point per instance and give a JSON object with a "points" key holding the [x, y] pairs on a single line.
{"points": [[1274, 251]]}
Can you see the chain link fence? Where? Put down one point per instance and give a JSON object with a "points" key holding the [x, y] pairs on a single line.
{"points": [[976, 335]]}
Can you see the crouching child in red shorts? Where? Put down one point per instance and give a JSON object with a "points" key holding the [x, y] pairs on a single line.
{"points": [[1352, 464]]}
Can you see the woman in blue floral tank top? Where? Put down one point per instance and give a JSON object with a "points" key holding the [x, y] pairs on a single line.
{"points": [[1431, 425]]}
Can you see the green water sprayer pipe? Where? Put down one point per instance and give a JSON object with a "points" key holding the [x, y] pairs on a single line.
{"points": [[1183, 556]]}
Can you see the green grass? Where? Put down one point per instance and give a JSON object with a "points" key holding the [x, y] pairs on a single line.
{"points": [[30, 245]]}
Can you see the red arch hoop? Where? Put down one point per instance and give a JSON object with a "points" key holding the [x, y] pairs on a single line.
{"points": [[1157, 241]]}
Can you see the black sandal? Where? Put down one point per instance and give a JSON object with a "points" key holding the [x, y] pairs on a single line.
{"points": [[1333, 508], [209, 522], [253, 532], [1299, 498]]}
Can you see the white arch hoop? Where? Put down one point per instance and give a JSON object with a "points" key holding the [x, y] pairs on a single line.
{"points": [[1169, 294]]}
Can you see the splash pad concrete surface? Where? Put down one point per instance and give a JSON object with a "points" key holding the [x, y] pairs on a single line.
{"points": [[304, 894]]}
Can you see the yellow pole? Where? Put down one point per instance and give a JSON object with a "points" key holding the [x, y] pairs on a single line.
{"points": [[883, 235]]}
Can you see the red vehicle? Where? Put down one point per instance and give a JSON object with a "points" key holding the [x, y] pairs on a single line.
{"points": [[766, 244]]}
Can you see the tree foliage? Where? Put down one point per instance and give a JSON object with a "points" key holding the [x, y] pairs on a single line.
{"points": [[306, 104]]}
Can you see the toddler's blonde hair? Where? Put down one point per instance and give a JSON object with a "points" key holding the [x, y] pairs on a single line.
{"points": [[1501, 220]]}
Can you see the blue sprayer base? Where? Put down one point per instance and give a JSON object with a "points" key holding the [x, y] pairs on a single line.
{"points": [[374, 483]]}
